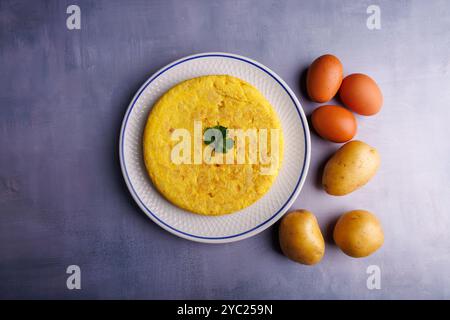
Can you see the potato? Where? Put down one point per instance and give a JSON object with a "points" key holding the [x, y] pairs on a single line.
{"points": [[300, 237], [358, 233], [351, 167]]}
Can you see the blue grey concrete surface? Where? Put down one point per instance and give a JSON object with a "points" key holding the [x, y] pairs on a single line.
{"points": [[63, 201]]}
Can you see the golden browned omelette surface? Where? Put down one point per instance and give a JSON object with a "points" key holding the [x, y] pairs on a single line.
{"points": [[203, 188]]}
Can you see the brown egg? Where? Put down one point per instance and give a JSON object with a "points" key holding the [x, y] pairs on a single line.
{"points": [[361, 94], [334, 123], [324, 78]]}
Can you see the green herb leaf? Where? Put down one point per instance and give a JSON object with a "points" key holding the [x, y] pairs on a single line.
{"points": [[222, 144]]}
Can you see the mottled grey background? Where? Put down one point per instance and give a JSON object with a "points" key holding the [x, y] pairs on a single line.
{"points": [[62, 197]]}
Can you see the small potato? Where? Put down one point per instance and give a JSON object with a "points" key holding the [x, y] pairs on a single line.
{"points": [[358, 233], [300, 237], [351, 167]]}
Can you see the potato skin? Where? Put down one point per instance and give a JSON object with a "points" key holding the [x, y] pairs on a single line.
{"points": [[358, 233], [300, 237], [351, 167]]}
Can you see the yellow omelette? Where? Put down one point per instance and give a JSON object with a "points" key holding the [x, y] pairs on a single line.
{"points": [[209, 188]]}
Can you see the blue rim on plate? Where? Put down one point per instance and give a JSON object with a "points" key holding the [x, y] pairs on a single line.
{"points": [[262, 226]]}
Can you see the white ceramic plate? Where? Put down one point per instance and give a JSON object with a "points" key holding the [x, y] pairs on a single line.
{"points": [[261, 214]]}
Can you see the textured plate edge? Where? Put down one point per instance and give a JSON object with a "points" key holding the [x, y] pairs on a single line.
{"points": [[272, 220]]}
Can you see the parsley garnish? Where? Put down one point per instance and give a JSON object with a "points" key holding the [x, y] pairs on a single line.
{"points": [[220, 132]]}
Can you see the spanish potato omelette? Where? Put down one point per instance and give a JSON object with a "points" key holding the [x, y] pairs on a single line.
{"points": [[208, 189]]}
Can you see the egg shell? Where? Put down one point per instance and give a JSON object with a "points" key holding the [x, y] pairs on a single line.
{"points": [[361, 94], [324, 78], [334, 123]]}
